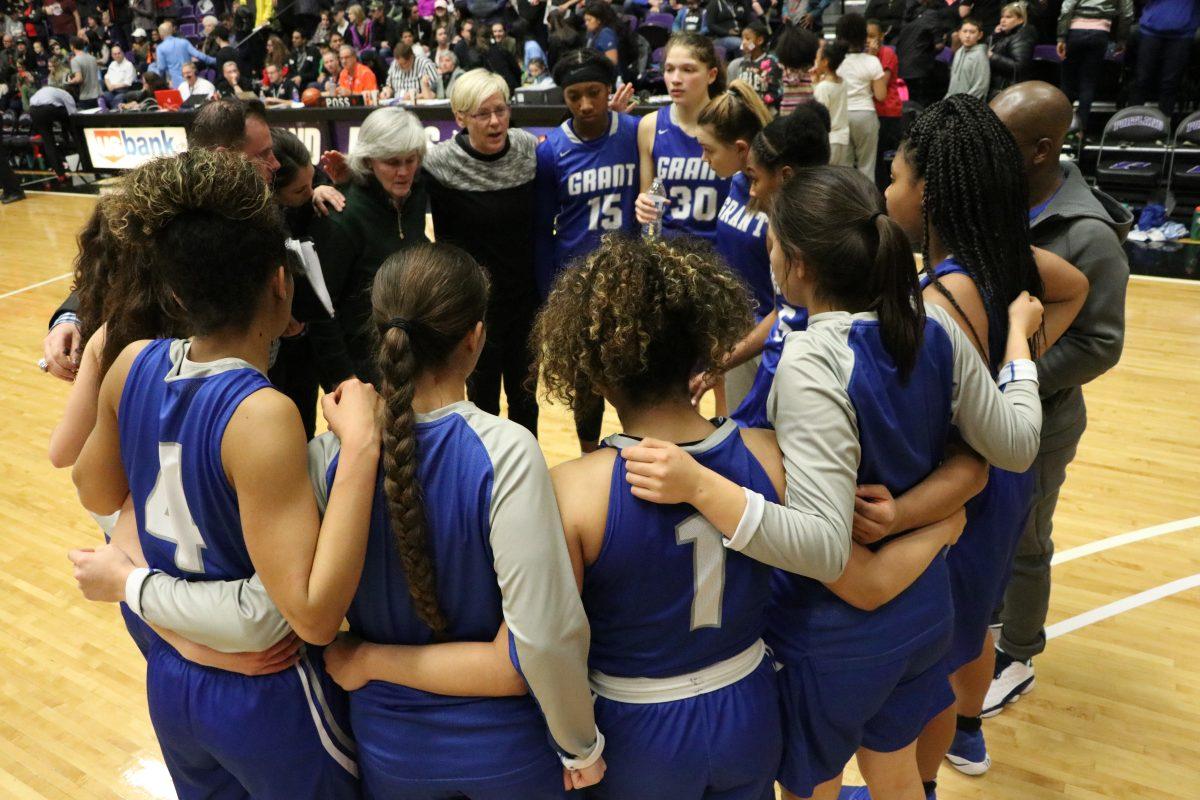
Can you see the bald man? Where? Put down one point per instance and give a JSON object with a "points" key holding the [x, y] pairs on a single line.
{"points": [[1086, 227]]}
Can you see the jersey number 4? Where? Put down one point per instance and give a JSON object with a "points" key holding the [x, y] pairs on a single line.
{"points": [[167, 514], [708, 565]]}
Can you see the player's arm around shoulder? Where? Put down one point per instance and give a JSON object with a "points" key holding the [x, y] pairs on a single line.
{"points": [[98, 475], [581, 487]]}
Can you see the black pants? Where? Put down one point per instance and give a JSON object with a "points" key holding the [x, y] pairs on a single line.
{"points": [[1082, 68], [1160, 65], [295, 374], [8, 178], [890, 131], [507, 359], [43, 118], [923, 90]]}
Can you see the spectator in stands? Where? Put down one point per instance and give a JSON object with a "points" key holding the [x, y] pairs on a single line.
{"points": [[485, 10], [225, 50], [118, 78], [323, 30], [85, 73], [890, 14], [277, 54], [537, 75], [195, 86], [441, 43], [1085, 28], [600, 22], [275, 91], [758, 68], [985, 12], [233, 84], [969, 72], [355, 78], [865, 84], [1166, 32], [304, 63], [723, 22], [63, 19], [306, 15], [1010, 54], [917, 47], [528, 47], [500, 38], [464, 44], [331, 68], [890, 109], [690, 18], [408, 38], [384, 212], [562, 37], [49, 105], [448, 70], [830, 91], [421, 26], [411, 77], [94, 35], [496, 58], [385, 31], [796, 50], [358, 33], [170, 56], [151, 83], [335, 42], [443, 15], [805, 13], [58, 72], [144, 12]]}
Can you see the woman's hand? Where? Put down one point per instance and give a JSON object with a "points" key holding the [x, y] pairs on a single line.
{"points": [[649, 207], [1025, 314], [352, 411], [874, 513], [623, 99], [582, 778], [101, 572], [701, 384], [336, 166], [344, 662], [661, 472], [326, 199], [282, 655]]}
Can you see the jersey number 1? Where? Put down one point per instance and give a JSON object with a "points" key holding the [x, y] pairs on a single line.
{"points": [[708, 565], [167, 513]]}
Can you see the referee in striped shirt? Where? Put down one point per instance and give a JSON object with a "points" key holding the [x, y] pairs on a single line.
{"points": [[411, 77]]}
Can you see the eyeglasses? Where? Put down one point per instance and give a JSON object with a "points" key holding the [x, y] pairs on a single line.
{"points": [[500, 113]]}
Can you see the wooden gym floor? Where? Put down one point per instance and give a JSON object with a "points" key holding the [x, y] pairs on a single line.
{"points": [[1116, 711]]}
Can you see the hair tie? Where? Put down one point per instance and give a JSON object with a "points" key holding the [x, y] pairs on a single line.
{"points": [[876, 216], [402, 323]]}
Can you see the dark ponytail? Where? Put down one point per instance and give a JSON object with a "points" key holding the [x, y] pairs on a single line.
{"points": [[859, 259], [424, 301]]}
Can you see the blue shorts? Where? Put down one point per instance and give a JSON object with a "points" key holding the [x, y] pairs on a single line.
{"points": [[227, 736], [832, 707], [980, 564], [724, 744], [416, 746]]}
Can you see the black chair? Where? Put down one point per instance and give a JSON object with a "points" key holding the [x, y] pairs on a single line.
{"points": [[1183, 174], [1133, 175]]}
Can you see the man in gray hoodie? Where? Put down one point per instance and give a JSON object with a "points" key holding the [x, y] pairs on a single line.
{"points": [[1086, 227]]}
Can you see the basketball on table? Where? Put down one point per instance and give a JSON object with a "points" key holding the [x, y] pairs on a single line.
{"points": [[311, 97]]}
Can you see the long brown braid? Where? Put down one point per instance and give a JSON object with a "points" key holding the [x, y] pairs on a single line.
{"points": [[425, 299]]}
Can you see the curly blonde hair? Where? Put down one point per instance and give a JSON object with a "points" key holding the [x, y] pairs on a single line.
{"points": [[638, 318]]}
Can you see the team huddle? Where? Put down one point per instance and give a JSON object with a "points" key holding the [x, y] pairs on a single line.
{"points": [[697, 608]]}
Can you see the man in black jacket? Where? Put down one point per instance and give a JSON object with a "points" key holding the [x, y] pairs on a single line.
{"points": [[917, 47], [304, 64]]}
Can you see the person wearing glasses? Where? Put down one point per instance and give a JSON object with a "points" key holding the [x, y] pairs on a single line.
{"points": [[481, 189]]}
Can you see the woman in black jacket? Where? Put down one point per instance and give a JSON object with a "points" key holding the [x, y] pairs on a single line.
{"points": [[1011, 51]]}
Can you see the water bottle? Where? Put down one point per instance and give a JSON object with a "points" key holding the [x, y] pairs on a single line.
{"points": [[658, 194]]}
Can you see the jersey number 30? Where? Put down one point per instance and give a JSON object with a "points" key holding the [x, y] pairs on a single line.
{"points": [[167, 513], [708, 565]]}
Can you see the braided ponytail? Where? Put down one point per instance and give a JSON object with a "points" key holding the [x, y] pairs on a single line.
{"points": [[424, 301]]}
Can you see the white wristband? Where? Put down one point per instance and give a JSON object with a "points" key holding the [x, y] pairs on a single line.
{"points": [[1022, 369], [590, 758], [756, 504], [133, 589]]}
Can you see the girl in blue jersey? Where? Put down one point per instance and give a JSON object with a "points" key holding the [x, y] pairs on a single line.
{"points": [[587, 181], [974, 236], [726, 130], [868, 394], [213, 457], [465, 535], [667, 145], [684, 694]]}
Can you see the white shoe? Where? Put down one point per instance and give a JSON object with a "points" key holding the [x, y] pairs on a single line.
{"points": [[1011, 679]]}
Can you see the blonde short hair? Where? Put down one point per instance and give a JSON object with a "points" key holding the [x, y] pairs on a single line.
{"points": [[472, 88], [1017, 10]]}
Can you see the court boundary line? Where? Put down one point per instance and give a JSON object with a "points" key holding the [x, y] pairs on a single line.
{"points": [[1121, 539], [37, 285], [1109, 610], [1164, 279]]}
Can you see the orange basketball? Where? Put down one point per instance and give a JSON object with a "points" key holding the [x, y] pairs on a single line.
{"points": [[311, 97]]}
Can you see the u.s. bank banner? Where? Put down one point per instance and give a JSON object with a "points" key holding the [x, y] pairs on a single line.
{"points": [[127, 148]]}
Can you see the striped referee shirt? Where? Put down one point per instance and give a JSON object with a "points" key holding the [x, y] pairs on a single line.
{"points": [[408, 81]]}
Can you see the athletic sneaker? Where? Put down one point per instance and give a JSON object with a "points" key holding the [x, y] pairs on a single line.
{"points": [[968, 753], [862, 793], [1011, 679]]}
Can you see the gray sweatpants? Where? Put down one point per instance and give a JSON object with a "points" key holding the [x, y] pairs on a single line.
{"points": [[864, 140], [1027, 598]]}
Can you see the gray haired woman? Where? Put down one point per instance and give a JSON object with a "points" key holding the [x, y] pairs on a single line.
{"points": [[384, 212]]}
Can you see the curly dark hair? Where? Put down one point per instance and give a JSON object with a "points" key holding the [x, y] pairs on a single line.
{"points": [[638, 318]]}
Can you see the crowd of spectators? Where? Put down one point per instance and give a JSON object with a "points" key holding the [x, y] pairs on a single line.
{"points": [[118, 53]]}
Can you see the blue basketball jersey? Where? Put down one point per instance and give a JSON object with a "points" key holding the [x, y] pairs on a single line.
{"points": [[752, 413], [585, 189], [742, 240], [903, 428], [997, 322], [695, 191], [172, 417], [665, 596]]}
